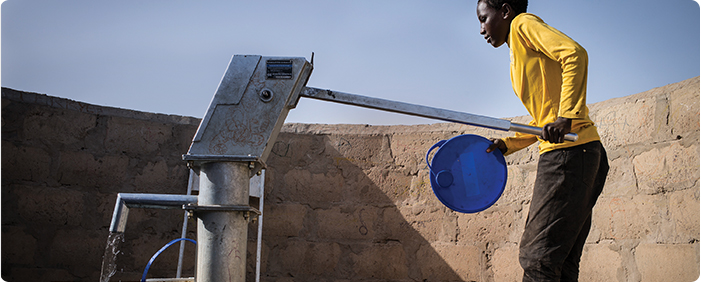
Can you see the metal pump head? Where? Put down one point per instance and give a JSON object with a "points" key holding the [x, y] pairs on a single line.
{"points": [[248, 109]]}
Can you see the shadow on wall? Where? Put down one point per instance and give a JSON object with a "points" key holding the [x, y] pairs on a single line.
{"points": [[335, 209], [337, 206]]}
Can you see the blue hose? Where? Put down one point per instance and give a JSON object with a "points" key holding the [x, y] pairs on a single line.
{"points": [[148, 265]]}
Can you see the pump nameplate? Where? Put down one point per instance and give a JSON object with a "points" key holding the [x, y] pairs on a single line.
{"points": [[279, 69]]}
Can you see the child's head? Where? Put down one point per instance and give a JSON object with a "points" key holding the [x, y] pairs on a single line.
{"points": [[519, 6], [495, 18]]}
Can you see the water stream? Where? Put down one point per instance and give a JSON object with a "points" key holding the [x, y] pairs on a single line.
{"points": [[109, 260]]}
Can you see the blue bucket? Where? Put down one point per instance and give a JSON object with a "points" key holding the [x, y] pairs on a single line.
{"points": [[464, 177]]}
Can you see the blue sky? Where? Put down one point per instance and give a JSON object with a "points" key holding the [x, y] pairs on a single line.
{"points": [[168, 56]]}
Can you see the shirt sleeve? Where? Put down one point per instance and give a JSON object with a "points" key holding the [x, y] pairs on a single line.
{"points": [[573, 60]]}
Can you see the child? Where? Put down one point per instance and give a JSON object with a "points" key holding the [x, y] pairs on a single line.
{"points": [[549, 75]]}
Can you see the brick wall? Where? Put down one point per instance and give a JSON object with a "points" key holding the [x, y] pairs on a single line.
{"points": [[343, 202]]}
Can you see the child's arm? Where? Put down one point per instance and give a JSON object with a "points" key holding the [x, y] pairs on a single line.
{"points": [[573, 60], [510, 145]]}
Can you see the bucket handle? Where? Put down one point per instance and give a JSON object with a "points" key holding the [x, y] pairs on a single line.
{"points": [[440, 143]]}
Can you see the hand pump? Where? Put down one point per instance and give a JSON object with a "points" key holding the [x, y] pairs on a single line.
{"points": [[236, 136]]}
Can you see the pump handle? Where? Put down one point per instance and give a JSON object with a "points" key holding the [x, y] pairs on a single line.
{"points": [[423, 111]]}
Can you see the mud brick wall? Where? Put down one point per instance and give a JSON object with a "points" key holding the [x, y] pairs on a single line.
{"points": [[63, 163], [342, 202]]}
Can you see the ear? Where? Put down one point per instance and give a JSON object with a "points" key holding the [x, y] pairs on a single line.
{"points": [[506, 11]]}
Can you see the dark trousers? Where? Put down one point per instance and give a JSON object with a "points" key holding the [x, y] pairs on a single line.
{"points": [[567, 185]]}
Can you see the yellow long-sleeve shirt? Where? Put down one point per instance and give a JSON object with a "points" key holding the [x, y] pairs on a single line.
{"points": [[549, 75]]}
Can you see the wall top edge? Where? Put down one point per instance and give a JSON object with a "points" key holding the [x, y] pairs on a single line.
{"points": [[68, 104]]}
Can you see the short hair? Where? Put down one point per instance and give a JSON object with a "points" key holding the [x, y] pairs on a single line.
{"points": [[519, 6]]}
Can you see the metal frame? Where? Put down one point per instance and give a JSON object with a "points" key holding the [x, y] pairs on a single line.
{"points": [[137, 200]]}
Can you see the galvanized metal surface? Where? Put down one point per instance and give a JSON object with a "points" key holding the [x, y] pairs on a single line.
{"points": [[191, 279], [517, 127], [153, 201], [257, 189], [422, 111], [222, 235], [192, 185], [405, 108], [247, 111], [220, 158], [246, 210], [230, 90]]}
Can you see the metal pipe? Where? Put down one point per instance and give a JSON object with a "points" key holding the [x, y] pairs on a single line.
{"points": [[221, 234], [423, 111], [523, 128], [154, 201], [261, 200], [190, 183]]}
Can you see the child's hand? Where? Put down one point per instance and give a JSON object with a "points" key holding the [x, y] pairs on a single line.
{"points": [[554, 132], [497, 143]]}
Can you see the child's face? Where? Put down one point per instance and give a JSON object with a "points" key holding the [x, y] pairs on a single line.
{"points": [[494, 24]]}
